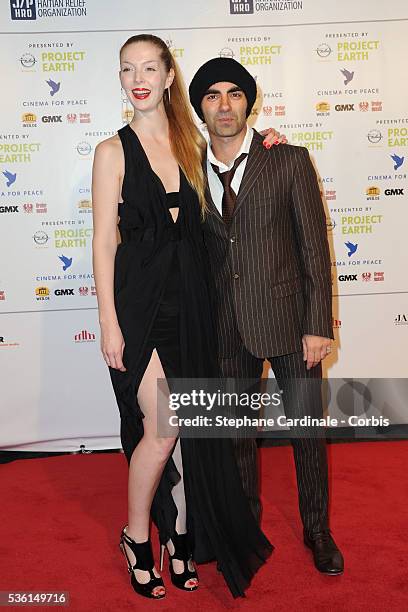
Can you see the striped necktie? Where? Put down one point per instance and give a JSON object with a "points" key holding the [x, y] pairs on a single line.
{"points": [[229, 196]]}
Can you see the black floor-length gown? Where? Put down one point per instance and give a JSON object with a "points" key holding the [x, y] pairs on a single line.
{"points": [[162, 301]]}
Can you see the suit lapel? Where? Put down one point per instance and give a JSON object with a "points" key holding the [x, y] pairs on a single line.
{"points": [[208, 198], [257, 158]]}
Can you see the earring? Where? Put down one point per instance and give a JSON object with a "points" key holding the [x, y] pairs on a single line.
{"points": [[168, 94], [127, 113]]}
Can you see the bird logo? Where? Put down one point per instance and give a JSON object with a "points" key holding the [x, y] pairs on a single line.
{"points": [[398, 161], [66, 261], [54, 86], [10, 177], [348, 76], [352, 248]]}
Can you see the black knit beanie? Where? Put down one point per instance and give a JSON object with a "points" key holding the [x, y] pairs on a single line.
{"points": [[217, 70]]}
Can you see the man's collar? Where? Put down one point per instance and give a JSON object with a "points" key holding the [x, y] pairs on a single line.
{"points": [[244, 149]]}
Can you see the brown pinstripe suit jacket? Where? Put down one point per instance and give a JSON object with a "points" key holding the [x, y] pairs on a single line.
{"points": [[271, 267]]}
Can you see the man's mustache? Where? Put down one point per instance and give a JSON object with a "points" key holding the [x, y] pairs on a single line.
{"points": [[225, 116]]}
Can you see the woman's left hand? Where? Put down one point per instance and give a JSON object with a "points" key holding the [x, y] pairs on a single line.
{"points": [[273, 137]]}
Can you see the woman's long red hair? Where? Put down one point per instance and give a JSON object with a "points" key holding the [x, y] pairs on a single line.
{"points": [[186, 141]]}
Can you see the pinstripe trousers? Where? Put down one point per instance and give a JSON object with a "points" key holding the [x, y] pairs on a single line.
{"points": [[300, 397]]}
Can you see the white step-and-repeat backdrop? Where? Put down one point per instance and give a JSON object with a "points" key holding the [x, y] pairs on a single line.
{"points": [[332, 78]]}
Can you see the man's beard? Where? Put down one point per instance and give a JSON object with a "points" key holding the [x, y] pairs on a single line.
{"points": [[231, 129]]}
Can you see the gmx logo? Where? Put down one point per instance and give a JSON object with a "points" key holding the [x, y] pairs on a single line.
{"points": [[23, 9], [237, 7]]}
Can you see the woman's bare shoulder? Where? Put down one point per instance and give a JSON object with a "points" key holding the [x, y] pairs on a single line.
{"points": [[110, 151], [109, 146]]}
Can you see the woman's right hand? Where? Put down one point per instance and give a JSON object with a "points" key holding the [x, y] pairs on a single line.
{"points": [[112, 346]]}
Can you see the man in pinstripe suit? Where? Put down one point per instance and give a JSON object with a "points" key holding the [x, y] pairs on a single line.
{"points": [[267, 242]]}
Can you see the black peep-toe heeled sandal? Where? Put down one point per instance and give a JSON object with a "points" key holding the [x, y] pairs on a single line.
{"points": [[145, 562], [181, 553]]}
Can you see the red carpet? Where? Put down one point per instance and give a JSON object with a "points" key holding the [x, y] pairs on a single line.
{"points": [[61, 519]]}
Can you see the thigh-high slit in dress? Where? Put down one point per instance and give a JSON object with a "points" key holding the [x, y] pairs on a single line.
{"points": [[163, 302]]}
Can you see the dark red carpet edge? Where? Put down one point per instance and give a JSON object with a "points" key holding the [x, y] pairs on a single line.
{"points": [[61, 519]]}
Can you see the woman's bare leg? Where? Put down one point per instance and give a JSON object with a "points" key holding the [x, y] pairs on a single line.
{"points": [[181, 526], [146, 467], [147, 462]]}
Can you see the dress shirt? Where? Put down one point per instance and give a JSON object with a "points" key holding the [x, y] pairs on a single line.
{"points": [[214, 183]]}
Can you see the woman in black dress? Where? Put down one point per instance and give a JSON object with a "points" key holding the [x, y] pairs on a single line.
{"points": [[155, 317]]}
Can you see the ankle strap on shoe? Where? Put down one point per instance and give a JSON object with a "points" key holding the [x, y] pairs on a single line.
{"points": [[181, 547], [142, 552]]}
